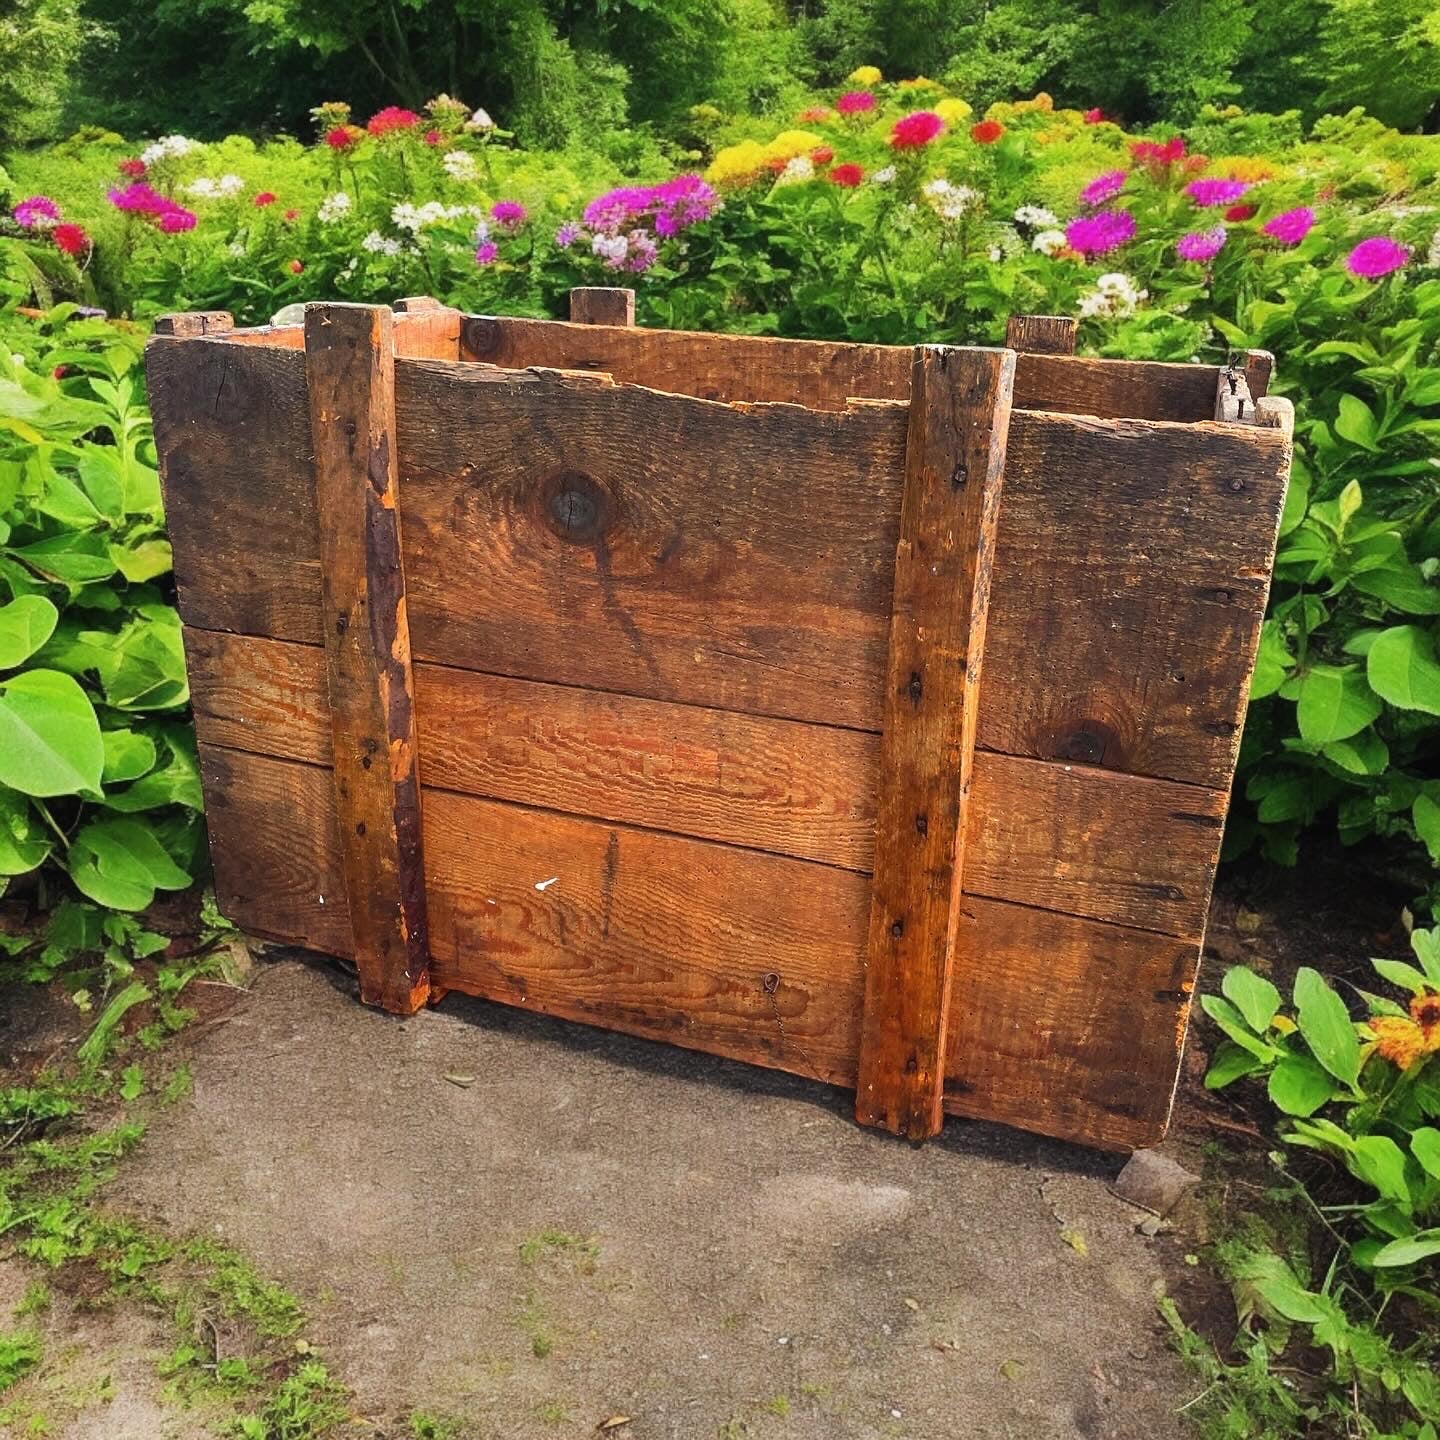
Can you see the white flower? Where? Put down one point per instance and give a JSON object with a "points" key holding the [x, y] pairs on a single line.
{"points": [[883, 176], [1432, 257], [480, 120], [415, 218], [333, 208], [229, 184], [482, 231], [1049, 242], [802, 167], [202, 189], [1035, 217], [167, 147], [378, 244], [612, 248], [348, 269], [1114, 295], [236, 248], [950, 202], [459, 164]]}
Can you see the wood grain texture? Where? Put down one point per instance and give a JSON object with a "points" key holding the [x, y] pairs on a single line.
{"points": [[602, 305], [1083, 1047], [954, 459], [1042, 334], [1132, 564], [658, 545], [823, 374], [350, 370], [426, 329], [1067, 1026], [187, 324]]}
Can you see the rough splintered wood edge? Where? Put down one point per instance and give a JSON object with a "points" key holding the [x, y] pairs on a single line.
{"points": [[602, 305], [954, 460], [350, 376], [1042, 334], [187, 324]]}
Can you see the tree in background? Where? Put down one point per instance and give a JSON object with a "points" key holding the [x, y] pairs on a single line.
{"points": [[39, 43]]}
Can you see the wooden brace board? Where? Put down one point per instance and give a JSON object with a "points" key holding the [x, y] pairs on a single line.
{"points": [[705, 662]]}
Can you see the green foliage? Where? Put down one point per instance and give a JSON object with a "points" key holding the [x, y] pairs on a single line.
{"points": [[1366, 1098], [39, 43], [96, 777]]}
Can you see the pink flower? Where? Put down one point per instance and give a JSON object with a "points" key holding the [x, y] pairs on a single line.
{"points": [[1104, 187], [139, 199], [822, 155], [296, 267], [1101, 232], [264, 198], [1216, 192], [673, 206], [70, 239], [915, 130], [39, 212], [643, 251], [1096, 116], [855, 102], [433, 137], [1290, 227], [1157, 153], [132, 169], [487, 253], [509, 213], [568, 234], [291, 216], [1201, 245], [176, 219], [392, 117], [342, 137], [1377, 256]]}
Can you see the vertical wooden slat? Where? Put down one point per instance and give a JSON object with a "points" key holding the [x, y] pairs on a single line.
{"points": [[602, 305], [955, 454], [350, 375], [1042, 334], [187, 324]]}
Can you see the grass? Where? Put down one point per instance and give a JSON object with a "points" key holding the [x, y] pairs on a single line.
{"points": [[584, 1250]]}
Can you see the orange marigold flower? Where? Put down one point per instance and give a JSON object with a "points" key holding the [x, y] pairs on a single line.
{"points": [[1404, 1039]]}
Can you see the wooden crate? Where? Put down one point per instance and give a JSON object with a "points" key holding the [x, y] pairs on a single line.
{"points": [[646, 690]]}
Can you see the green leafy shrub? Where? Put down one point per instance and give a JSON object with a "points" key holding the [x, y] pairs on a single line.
{"points": [[98, 771]]}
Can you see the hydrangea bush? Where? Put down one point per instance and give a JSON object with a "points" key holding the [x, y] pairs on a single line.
{"points": [[890, 212]]}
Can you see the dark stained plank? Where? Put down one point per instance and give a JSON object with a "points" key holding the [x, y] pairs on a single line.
{"points": [[823, 374], [621, 539], [1042, 334], [954, 459], [1067, 1026], [602, 305], [350, 373], [1131, 573]]}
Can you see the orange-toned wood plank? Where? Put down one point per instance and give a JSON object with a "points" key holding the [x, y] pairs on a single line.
{"points": [[602, 305], [350, 374], [954, 458]]}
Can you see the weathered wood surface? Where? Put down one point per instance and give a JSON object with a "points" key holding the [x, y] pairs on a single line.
{"points": [[1072, 838], [187, 324], [737, 954], [823, 374], [954, 459], [350, 370], [1042, 334], [602, 305]]}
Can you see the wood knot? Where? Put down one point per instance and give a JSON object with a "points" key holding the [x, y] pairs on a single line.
{"points": [[916, 688], [575, 506], [959, 476], [480, 335], [1085, 742]]}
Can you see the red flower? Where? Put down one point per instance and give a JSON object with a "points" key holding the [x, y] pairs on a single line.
{"points": [[1096, 116], [70, 239], [292, 216], [59, 372], [134, 169], [1153, 152], [1237, 213], [343, 137], [392, 117], [264, 198], [433, 137], [916, 130], [847, 176], [822, 155], [295, 267], [987, 132]]}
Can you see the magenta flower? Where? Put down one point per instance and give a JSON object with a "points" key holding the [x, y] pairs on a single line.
{"points": [[1101, 232], [1377, 256], [1216, 192], [176, 219], [487, 253], [1201, 245], [1104, 187], [855, 102], [1290, 227], [915, 130], [643, 251], [509, 213], [568, 234], [39, 212], [671, 206]]}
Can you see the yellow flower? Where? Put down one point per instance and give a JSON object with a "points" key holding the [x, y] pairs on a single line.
{"points": [[737, 164], [1251, 168], [790, 143], [952, 111], [1404, 1039], [865, 75], [1041, 102], [920, 82]]}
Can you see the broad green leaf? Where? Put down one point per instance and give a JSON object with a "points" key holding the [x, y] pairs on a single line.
{"points": [[1298, 1086], [1426, 945], [1425, 1147], [49, 737], [73, 557], [1402, 669], [97, 1044], [1356, 423], [1229, 1019], [1397, 972], [1252, 995], [1420, 1246], [1380, 1162], [1326, 1026], [128, 756], [1362, 754], [103, 478], [118, 862], [24, 839], [1426, 815], [144, 560], [175, 782], [25, 625], [1335, 703], [1273, 662], [1297, 501], [1231, 1063], [1400, 585]]}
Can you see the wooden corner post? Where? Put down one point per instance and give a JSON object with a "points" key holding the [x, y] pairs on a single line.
{"points": [[1042, 334], [602, 305], [954, 458], [350, 375]]}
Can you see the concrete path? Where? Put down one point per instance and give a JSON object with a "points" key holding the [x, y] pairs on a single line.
{"points": [[575, 1226]]}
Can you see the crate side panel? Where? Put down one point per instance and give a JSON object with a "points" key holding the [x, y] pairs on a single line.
{"points": [[1131, 573], [232, 427], [564, 529]]}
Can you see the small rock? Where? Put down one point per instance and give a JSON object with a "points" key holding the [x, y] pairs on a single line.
{"points": [[1154, 1181]]}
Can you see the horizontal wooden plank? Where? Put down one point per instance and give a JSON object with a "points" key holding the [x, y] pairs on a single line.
{"points": [[1062, 837], [675, 939], [1131, 573], [824, 373]]}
